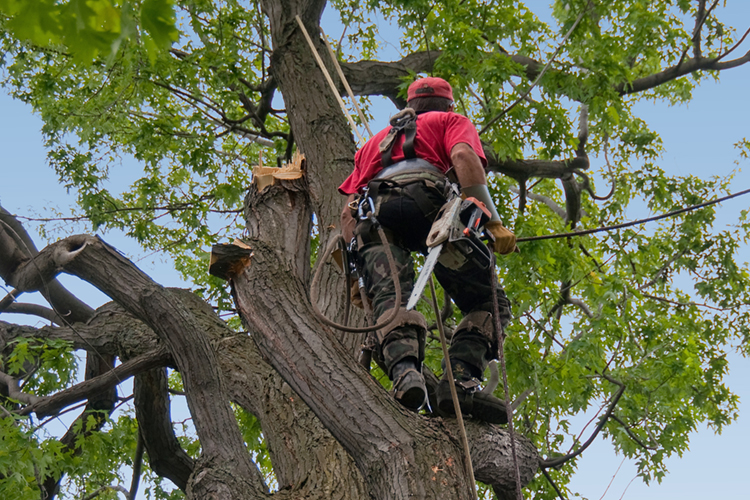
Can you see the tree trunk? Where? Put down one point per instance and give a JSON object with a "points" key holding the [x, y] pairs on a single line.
{"points": [[332, 431]]}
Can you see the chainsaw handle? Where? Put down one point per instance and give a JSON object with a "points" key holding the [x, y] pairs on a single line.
{"points": [[478, 215]]}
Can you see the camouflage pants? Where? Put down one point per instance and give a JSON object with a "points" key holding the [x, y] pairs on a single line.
{"points": [[407, 225]]}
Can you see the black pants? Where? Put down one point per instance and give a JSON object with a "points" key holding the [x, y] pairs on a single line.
{"points": [[407, 217]]}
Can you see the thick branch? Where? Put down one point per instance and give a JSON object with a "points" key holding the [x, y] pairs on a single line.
{"points": [[35, 310], [384, 78], [700, 18], [111, 331], [92, 387], [680, 69], [221, 441], [14, 391], [523, 170], [16, 248], [165, 455]]}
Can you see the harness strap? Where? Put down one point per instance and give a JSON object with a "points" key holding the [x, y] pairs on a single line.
{"points": [[410, 132], [403, 122]]}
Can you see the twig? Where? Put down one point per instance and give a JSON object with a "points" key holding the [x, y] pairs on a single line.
{"points": [[663, 269], [612, 480], [674, 302], [104, 488], [561, 460], [57, 417], [628, 486], [729, 51], [578, 437], [557, 490], [631, 434], [541, 329], [536, 80]]}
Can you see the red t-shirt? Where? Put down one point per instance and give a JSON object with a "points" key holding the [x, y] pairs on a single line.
{"points": [[437, 133]]}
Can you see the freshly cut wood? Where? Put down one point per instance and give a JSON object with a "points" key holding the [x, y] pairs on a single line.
{"points": [[267, 176], [228, 259]]}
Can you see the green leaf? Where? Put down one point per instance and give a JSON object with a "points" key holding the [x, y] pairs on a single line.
{"points": [[158, 19]]}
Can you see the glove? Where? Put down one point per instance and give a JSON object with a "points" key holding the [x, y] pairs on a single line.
{"points": [[505, 241]]}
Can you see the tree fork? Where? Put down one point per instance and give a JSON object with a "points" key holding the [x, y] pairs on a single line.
{"points": [[224, 457]]}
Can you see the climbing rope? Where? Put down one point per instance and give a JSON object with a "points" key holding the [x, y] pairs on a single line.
{"points": [[314, 287], [501, 354], [454, 395]]}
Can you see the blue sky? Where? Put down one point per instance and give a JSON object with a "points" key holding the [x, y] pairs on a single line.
{"points": [[699, 139]]}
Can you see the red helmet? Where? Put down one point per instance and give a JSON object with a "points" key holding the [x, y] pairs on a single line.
{"points": [[430, 86]]}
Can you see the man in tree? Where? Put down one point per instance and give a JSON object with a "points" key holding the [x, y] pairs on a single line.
{"points": [[404, 169]]}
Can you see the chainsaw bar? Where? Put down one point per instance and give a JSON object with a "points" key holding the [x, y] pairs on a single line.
{"points": [[429, 265]]}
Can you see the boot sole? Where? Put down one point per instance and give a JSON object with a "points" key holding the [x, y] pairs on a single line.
{"points": [[488, 408], [484, 407]]}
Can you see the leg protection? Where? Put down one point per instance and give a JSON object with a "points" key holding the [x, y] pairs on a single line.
{"points": [[403, 338], [474, 341]]}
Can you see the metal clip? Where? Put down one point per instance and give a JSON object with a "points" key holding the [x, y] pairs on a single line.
{"points": [[365, 200]]}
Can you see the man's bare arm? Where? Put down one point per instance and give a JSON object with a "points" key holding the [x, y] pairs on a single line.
{"points": [[467, 165]]}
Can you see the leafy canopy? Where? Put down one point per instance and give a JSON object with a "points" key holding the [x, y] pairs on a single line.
{"points": [[655, 308]]}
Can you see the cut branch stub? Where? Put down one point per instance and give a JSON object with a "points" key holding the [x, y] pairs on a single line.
{"points": [[229, 259]]}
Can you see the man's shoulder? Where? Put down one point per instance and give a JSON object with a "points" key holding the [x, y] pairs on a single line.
{"points": [[444, 118]]}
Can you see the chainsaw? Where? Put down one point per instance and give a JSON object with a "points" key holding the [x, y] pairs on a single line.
{"points": [[455, 238]]}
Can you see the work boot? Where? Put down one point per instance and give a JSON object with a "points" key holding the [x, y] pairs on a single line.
{"points": [[472, 401], [408, 384]]}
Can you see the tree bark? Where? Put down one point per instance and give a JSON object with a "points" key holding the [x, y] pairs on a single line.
{"points": [[399, 454]]}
